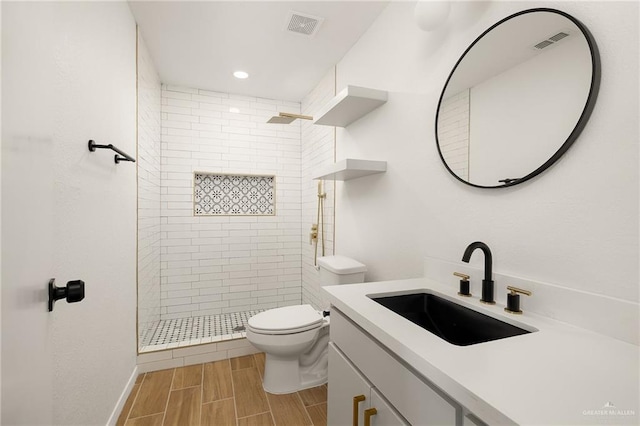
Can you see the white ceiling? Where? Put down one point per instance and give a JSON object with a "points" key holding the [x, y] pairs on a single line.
{"points": [[200, 44]]}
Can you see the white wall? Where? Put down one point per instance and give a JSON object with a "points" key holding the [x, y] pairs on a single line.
{"points": [[317, 152], [219, 264], [575, 225], [149, 87], [68, 76]]}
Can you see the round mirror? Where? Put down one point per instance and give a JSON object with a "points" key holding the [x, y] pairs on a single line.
{"points": [[517, 98]]}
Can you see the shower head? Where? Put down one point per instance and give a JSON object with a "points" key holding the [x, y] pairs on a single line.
{"points": [[280, 120], [287, 118]]}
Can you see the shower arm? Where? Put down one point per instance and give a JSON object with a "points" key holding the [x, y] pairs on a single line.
{"points": [[291, 115]]}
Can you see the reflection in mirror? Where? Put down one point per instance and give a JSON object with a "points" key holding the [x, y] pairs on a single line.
{"points": [[517, 98]]}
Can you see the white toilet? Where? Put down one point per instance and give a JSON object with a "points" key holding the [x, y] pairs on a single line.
{"points": [[295, 339]]}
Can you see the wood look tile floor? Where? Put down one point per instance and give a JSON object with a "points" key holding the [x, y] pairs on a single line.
{"points": [[221, 393]]}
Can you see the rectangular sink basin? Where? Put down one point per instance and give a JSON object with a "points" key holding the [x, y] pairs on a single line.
{"points": [[448, 320]]}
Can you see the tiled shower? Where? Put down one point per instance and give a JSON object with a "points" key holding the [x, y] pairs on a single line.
{"points": [[224, 204]]}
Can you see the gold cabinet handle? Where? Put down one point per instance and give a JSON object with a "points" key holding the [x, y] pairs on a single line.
{"points": [[356, 400], [367, 415]]}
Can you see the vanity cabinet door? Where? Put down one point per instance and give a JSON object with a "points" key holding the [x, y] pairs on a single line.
{"points": [[410, 395], [345, 383], [471, 420], [386, 415]]}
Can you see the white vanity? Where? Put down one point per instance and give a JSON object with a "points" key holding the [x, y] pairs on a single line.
{"points": [[380, 381], [558, 374]]}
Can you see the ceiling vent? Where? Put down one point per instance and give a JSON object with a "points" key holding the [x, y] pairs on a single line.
{"points": [[543, 44], [551, 40], [303, 24], [556, 38]]}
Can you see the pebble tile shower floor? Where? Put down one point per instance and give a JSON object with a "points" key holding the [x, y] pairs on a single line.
{"points": [[174, 333]]}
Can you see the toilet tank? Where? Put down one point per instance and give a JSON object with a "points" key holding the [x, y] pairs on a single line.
{"points": [[340, 270]]}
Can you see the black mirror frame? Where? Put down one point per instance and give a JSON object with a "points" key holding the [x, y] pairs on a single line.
{"points": [[582, 121]]}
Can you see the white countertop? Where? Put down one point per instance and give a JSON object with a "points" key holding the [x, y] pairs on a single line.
{"points": [[560, 374]]}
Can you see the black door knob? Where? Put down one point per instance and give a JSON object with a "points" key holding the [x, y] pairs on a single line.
{"points": [[73, 292]]}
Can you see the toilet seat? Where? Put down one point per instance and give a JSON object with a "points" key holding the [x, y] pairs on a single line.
{"points": [[286, 320]]}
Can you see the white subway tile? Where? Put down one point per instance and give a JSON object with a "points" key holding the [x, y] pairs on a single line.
{"points": [[231, 254], [214, 276], [234, 344], [181, 308], [183, 294], [234, 283], [159, 365], [194, 350], [176, 301], [207, 298], [167, 94], [178, 279], [222, 256], [213, 305], [153, 357], [182, 118], [209, 258], [206, 113], [208, 226], [206, 357], [233, 353], [243, 274], [206, 269], [176, 125], [207, 99], [176, 287], [210, 287], [182, 89], [214, 248]]}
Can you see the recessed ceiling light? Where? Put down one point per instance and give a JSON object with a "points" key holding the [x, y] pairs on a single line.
{"points": [[234, 110], [240, 74]]}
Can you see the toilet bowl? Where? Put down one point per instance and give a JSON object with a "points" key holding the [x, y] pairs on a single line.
{"points": [[295, 338]]}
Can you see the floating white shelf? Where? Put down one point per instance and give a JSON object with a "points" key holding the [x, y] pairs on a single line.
{"points": [[351, 168], [349, 105]]}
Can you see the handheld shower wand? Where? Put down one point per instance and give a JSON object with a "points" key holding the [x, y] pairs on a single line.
{"points": [[319, 225]]}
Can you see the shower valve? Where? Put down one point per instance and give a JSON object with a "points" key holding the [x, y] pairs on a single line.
{"points": [[313, 235]]}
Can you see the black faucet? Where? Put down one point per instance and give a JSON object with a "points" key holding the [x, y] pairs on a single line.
{"points": [[487, 282]]}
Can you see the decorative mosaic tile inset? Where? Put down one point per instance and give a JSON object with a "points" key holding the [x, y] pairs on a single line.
{"points": [[192, 328], [218, 194]]}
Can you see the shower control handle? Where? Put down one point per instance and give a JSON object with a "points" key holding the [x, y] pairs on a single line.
{"points": [[313, 235]]}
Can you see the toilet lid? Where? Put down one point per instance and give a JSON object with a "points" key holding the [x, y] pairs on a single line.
{"points": [[286, 320]]}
